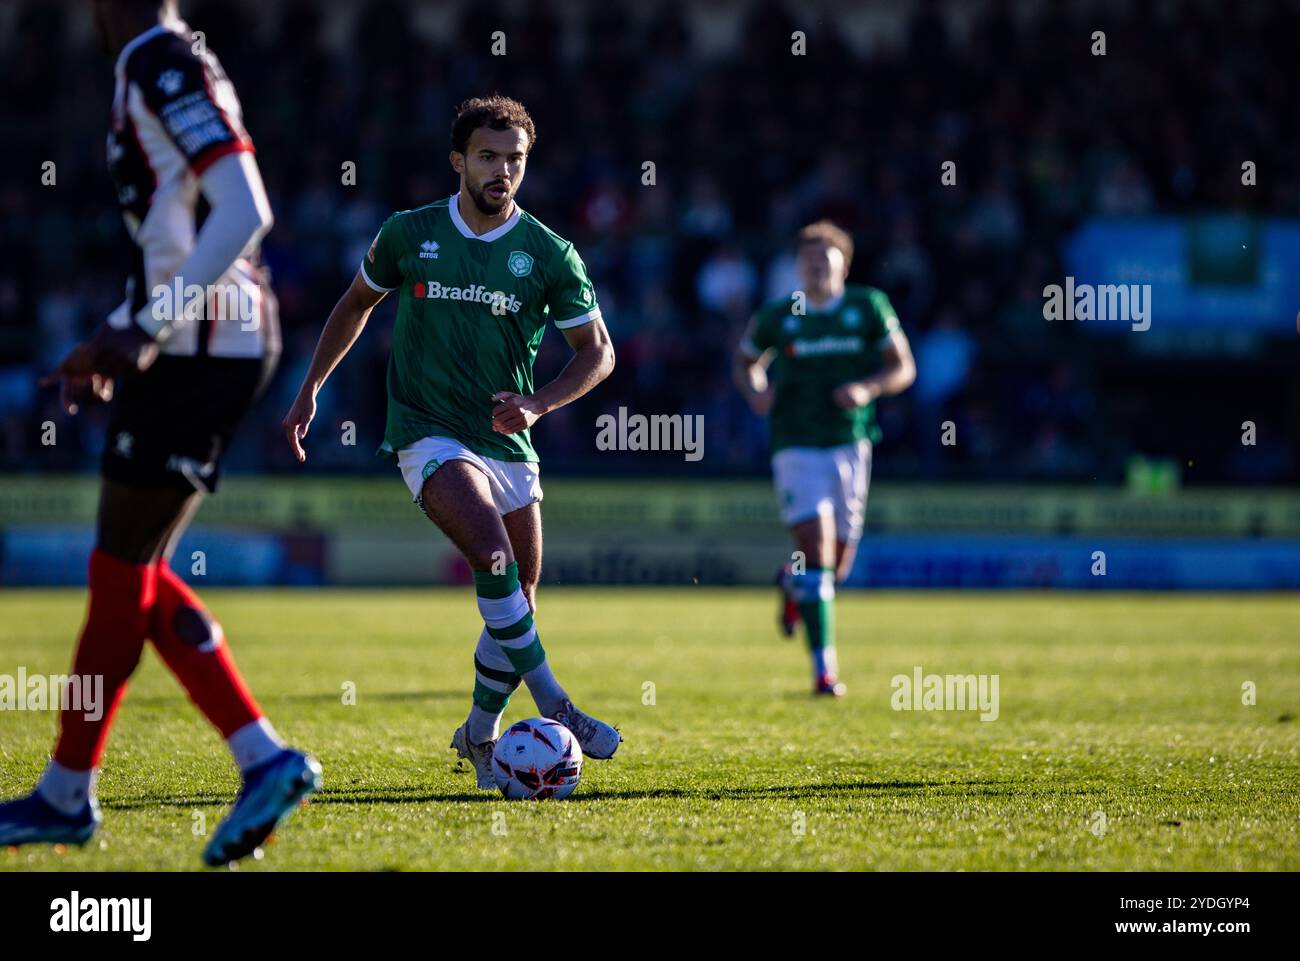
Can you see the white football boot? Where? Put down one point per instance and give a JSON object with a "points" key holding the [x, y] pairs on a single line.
{"points": [[597, 739], [479, 755]]}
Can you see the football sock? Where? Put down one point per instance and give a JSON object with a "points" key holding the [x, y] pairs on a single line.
{"points": [[510, 623], [254, 744], [546, 690], [66, 790], [191, 643], [815, 591], [494, 681], [121, 595]]}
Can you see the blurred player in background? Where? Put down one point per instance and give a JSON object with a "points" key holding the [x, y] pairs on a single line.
{"points": [[477, 279], [831, 349], [180, 374]]}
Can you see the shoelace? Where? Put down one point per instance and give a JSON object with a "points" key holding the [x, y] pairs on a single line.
{"points": [[583, 727]]}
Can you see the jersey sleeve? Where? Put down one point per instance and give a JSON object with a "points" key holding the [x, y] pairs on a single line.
{"points": [[193, 101], [757, 339], [570, 298], [884, 320], [380, 266]]}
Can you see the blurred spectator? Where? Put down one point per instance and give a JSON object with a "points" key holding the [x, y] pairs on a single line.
{"points": [[748, 143]]}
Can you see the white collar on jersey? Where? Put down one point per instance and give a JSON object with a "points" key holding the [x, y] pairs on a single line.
{"points": [[174, 26], [830, 305], [488, 237]]}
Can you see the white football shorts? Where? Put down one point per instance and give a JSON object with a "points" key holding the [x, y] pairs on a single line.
{"points": [[514, 484], [813, 481]]}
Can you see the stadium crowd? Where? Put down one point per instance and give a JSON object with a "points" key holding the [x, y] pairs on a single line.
{"points": [[748, 142]]}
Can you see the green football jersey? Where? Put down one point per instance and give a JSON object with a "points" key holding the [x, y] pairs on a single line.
{"points": [[471, 312], [816, 352]]}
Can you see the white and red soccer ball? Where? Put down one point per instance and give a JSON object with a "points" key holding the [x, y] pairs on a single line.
{"points": [[537, 758]]}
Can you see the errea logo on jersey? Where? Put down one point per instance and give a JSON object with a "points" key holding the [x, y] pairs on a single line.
{"points": [[429, 250], [498, 300]]}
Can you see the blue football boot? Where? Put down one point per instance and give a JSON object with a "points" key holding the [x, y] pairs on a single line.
{"points": [[270, 793], [32, 820]]}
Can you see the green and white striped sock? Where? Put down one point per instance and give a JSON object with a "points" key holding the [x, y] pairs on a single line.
{"points": [[495, 681], [510, 623], [815, 593]]}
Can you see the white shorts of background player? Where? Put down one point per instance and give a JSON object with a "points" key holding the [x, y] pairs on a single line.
{"points": [[813, 481]]}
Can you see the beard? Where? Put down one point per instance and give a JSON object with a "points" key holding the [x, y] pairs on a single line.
{"points": [[481, 200]]}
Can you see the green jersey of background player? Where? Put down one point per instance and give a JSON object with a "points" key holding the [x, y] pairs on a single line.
{"points": [[477, 280], [815, 363]]}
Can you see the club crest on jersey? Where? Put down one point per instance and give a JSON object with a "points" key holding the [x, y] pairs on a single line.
{"points": [[852, 317], [429, 250], [170, 82], [520, 263]]}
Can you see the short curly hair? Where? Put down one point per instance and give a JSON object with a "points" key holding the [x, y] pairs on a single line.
{"points": [[496, 113], [829, 233]]}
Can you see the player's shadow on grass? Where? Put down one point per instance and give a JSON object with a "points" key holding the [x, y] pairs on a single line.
{"points": [[974, 789], [785, 791], [145, 801], [415, 795]]}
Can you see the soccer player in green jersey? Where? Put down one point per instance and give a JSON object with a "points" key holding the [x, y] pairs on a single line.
{"points": [[477, 279], [816, 363]]}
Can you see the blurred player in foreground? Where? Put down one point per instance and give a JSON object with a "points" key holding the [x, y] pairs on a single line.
{"points": [[477, 279], [831, 350], [180, 375]]}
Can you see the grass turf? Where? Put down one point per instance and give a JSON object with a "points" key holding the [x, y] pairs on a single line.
{"points": [[1127, 705]]}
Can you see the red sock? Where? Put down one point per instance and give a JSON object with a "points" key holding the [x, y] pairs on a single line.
{"points": [[191, 643], [121, 595]]}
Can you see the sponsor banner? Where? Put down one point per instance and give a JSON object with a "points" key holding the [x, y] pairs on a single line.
{"points": [[739, 510], [424, 558], [58, 556], [1105, 563], [53, 556], [1226, 273]]}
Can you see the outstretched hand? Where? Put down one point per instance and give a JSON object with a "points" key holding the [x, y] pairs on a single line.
{"points": [[297, 421]]}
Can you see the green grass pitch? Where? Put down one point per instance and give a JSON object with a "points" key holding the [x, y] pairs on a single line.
{"points": [[1127, 705]]}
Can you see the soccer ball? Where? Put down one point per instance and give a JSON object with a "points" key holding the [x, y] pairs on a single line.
{"points": [[538, 759]]}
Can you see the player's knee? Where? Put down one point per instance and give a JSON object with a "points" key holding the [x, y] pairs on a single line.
{"points": [[196, 629]]}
